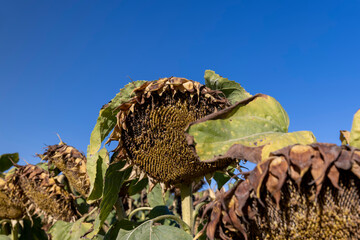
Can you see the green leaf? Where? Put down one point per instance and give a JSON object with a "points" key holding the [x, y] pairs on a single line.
{"points": [[33, 230], [97, 161], [169, 198], [232, 90], [137, 186], [5, 161], [155, 197], [221, 179], [107, 116], [148, 231], [69, 231], [98, 237], [114, 178], [4, 237], [257, 122], [96, 167], [115, 228], [355, 131], [158, 211]]}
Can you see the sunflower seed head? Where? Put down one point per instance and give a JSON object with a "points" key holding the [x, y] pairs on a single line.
{"points": [[300, 192], [32, 187], [8, 208], [150, 129]]}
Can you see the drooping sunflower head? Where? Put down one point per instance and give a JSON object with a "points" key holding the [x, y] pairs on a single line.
{"points": [[41, 194], [150, 128], [8, 208], [300, 192], [72, 163]]}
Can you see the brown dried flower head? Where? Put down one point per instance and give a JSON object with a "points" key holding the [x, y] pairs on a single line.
{"points": [[41, 194], [72, 163], [150, 128], [8, 208], [300, 192]]}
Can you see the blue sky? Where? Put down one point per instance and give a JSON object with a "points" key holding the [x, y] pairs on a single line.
{"points": [[60, 61]]}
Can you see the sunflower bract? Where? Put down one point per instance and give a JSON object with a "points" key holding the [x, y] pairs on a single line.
{"points": [[150, 128], [300, 192], [71, 163]]}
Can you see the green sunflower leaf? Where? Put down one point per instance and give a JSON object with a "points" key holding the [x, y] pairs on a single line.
{"points": [[148, 231], [69, 231], [107, 116], [97, 160], [231, 89], [155, 197], [114, 179], [96, 167], [7, 160], [257, 125]]}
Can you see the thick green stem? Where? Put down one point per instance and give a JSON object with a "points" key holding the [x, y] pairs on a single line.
{"points": [[187, 205]]}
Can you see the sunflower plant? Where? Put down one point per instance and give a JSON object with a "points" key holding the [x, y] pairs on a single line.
{"points": [[175, 139]]}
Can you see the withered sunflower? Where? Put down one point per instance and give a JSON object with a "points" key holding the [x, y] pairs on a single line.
{"points": [[150, 129], [8, 208], [300, 192], [32, 187], [72, 163]]}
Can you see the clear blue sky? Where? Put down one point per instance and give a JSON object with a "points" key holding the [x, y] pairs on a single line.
{"points": [[60, 61]]}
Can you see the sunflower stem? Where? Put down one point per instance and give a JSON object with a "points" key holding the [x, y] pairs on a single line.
{"points": [[15, 231], [187, 205]]}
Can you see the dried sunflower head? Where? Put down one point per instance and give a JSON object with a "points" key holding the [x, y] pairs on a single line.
{"points": [[8, 208], [150, 129], [300, 192], [72, 163], [41, 194]]}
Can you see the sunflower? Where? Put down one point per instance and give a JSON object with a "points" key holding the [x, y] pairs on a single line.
{"points": [[150, 129], [300, 192], [32, 187], [72, 163], [9, 209]]}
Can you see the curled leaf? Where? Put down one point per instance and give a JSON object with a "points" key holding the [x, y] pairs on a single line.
{"points": [[7, 160], [344, 137], [231, 89], [355, 131]]}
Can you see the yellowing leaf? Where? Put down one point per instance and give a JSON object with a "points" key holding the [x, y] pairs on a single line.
{"points": [[257, 122], [286, 139], [344, 137], [355, 131]]}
